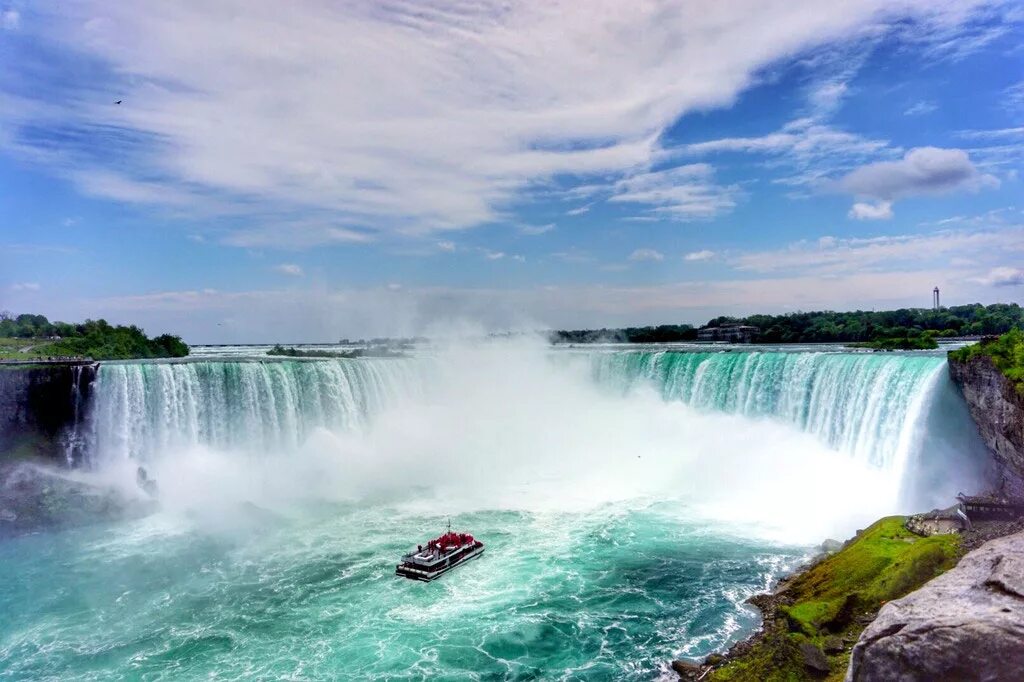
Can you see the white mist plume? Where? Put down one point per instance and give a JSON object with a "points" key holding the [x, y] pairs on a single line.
{"points": [[511, 425]]}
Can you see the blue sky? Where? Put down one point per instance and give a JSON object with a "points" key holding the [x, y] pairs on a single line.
{"points": [[314, 170]]}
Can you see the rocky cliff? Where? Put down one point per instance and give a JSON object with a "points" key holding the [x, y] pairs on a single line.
{"points": [[41, 407], [967, 624], [998, 409]]}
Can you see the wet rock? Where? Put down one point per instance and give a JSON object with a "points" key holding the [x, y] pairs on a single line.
{"points": [[35, 497], [814, 659], [687, 670], [714, 659], [967, 624]]}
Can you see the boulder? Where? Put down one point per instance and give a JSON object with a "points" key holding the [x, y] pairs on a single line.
{"points": [[687, 670], [967, 624], [831, 546], [833, 645], [814, 659]]}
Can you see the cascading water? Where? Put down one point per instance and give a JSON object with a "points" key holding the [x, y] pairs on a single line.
{"points": [[863, 404], [631, 502], [144, 410]]}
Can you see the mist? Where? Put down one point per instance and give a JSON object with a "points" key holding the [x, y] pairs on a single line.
{"points": [[512, 425]]}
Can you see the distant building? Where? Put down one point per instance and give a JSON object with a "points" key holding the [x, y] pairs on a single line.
{"points": [[731, 333], [935, 299]]}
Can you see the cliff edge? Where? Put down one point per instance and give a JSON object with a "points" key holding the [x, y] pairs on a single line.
{"points": [[998, 409], [967, 624]]}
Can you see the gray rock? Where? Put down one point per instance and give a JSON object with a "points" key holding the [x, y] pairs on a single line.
{"points": [[833, 645], [967, 624], [998, 410], [814, 659], [831, 546], [687, 670]]}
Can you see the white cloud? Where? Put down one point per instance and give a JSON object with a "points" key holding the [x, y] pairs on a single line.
{"points": [[454, 110], [921, 108], [10, 19], [832, 256], [295, 235], [681, 193], [993, 134], [865, 211], [1013, 98], [813, 150], [579, 210], [922, 170], [446, 246], [699, 255], [646, 255], [534, 230], [1003, 277], [492, 255], [290, 269], [25, 286]]}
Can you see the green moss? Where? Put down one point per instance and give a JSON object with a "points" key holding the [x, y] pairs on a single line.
{"points": [[1005, 352], [884, 562]]}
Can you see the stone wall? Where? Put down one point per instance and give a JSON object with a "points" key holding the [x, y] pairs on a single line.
{"points": [[42, 408], [998, 410]]}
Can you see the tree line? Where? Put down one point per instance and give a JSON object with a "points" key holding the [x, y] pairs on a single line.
{"points": [[96, 339], [860, 326]]}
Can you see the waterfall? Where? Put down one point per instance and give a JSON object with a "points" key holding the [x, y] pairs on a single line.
{"points": [[142, 410], [864, 404], [892, 412]]}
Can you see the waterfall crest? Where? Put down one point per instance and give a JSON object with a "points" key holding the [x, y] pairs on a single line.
{"points": [[141, 410], [860, 403]]}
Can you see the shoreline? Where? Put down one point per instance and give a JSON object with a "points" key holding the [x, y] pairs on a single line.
{"points": [[784, 638]]}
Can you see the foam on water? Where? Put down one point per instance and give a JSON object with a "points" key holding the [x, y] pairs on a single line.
{"points": [[630, 503]]}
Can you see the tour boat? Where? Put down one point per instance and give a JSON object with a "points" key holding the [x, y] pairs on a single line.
{"points": [[439, 556]]}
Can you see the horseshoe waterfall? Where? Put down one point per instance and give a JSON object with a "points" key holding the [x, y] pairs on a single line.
{"points": [[631, 501]]}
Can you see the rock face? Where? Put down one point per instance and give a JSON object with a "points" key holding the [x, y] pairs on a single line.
{"points": [[35, 496], [998, 410], [967, 624], [40, 408]]}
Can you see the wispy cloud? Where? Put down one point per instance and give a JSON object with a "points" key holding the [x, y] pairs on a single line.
{"points": [[865, 211], [290, 269], [1003, 277], [579, 210], [483, 100], [831, 255], [921, 108], [25, 286], [534, 230], [702, 255], [686, 192], [641, 255], [10, 19]]}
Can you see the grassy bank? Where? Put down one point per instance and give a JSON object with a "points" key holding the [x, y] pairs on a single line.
{"points": [[819, 613], [1006, 353]]}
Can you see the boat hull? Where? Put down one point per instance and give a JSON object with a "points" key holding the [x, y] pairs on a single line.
{"points": [[426, 576]]}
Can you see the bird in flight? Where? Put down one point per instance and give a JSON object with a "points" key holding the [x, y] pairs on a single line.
{"points": [[117, 102]]}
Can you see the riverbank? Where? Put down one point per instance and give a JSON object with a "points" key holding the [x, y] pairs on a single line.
{"points": [[814, 617]]}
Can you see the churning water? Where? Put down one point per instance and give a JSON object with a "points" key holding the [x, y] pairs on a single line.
{"points": [[630, 502]]}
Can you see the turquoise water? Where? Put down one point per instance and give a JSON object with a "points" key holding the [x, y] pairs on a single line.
{"points": [[612, 594], [630, 502]]}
